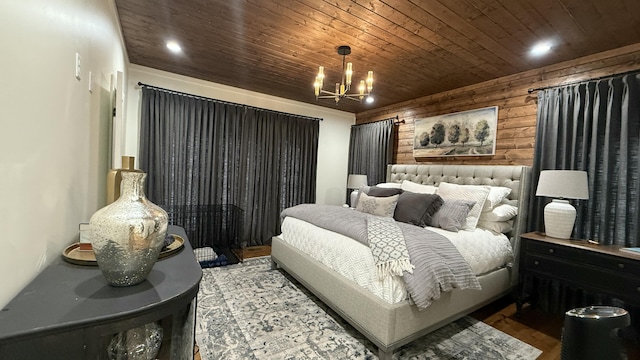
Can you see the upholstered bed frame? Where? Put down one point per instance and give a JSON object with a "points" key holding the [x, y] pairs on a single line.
{"points": [[390, 326]]}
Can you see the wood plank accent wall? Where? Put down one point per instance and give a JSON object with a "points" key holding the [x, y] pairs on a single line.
{"points": [[516, 107]]}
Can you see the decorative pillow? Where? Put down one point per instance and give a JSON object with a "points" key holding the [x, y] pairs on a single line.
{"points": [[363, 189], [383, 192], [496, 226], [417, 188], [381, 206], [495, 197], [502, 212], [389, 185], [477, 193], [452, 215], [417, 209]]}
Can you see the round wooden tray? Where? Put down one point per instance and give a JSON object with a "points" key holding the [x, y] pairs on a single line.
{"points": [[74, 255]]}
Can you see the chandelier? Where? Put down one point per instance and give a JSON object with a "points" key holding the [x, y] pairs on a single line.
{"points": [[344, 86]]}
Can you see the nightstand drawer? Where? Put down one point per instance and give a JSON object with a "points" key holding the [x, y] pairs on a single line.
{"points": [[604, 261], [585, 276], [551, 250]]}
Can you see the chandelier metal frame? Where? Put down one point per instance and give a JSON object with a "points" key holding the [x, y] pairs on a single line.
{"points": [[344, 86]]}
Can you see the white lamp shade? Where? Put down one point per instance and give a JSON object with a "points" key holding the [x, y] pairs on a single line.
{"points": [[565, 184], [560, 215], [355, 181]]}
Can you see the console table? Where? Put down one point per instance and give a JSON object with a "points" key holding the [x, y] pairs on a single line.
{"points": [[70, 312], [599, 269]]}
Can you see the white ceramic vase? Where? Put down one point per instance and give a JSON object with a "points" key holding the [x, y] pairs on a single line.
{"points": [[128, 234]]}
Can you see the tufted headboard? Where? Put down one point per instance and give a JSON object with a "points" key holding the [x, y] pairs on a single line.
{"points": [[516, 177]]}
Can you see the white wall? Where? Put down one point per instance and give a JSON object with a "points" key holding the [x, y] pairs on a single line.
{"points": [[54, 133], [333, 143]]}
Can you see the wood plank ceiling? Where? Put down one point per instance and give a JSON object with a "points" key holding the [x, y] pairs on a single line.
{"points": [[415, 48]]}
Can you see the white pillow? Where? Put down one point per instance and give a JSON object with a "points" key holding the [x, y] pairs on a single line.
{"points": [[389, 185], [477, 193], [381, 206], [496, 226], [495, 197], [502, 212], [417, 188]]}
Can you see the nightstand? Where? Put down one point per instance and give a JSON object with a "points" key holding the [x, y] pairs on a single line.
{"points": [[599, 269]]}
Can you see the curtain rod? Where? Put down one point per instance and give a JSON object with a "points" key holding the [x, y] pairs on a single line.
{"points": [[396, 121], [225, 102], [531, 90]]}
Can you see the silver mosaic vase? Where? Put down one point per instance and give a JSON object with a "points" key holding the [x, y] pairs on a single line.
{"points": [[128, 234]]}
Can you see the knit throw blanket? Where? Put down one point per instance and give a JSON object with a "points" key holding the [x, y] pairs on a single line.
{"points": [[388, 247]]}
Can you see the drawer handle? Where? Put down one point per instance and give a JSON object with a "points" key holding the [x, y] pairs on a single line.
{"points": [[551, 251], [621, 266], [537, 263]]}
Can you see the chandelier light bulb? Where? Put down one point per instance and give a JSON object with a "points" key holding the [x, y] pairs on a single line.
{"points": [[369, 81], [361, 89], [316, 87]]}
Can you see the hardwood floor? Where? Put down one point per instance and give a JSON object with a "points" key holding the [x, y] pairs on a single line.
{"points": [[535, 327]]}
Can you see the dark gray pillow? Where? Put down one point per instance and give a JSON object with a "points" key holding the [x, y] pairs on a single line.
{"points": [[417, 209], [452, 215], [383, 192]]}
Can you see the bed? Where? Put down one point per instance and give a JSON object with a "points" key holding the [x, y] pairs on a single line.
{"points": [[391, 324]]}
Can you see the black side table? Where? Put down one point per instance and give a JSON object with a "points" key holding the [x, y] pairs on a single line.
{"points": [[599, 269], [70, 312]]}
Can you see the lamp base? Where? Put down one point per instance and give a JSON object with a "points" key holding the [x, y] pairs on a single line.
{"points": [[354, 198], [559, 217]]}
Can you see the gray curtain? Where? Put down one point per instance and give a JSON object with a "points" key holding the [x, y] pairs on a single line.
{"points": [[371, 150], [221, 163], [594, 126]]}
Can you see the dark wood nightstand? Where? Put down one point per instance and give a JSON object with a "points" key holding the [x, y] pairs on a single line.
{"points": [[599, 269]]}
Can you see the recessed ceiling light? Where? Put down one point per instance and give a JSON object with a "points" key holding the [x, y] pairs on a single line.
{"points": [[541, 48], [174, 46], [369, 99]]}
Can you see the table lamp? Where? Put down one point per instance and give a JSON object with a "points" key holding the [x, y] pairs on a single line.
{"points": [[559, 214], [354, 181]]}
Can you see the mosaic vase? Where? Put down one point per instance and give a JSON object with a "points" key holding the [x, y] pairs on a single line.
{"points": [[128, 234]]}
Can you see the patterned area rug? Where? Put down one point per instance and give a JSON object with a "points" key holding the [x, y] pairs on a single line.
{"points": [[247, 311]]}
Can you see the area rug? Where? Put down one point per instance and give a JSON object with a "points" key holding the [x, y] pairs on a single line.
{"points": [[247, 311]]}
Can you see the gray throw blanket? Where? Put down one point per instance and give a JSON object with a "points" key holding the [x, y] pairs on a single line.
{"points": [[438, 265]]}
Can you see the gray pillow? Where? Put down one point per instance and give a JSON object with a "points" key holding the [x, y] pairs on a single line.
{"points": [[383, 192], [452, 215], [417, 209]]}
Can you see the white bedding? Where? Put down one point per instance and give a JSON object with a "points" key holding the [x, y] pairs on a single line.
{"points": [[482, 249]]}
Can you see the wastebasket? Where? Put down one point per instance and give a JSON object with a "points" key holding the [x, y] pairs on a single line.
{"points": [[592, 333]]}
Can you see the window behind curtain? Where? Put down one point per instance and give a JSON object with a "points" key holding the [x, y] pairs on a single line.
{"points": [[371, 150], [205, 154]]}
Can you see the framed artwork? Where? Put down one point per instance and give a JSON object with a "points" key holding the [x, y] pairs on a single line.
{"points": [[465, 133]]}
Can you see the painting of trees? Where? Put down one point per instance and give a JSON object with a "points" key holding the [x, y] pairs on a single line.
{"points": [[437, 134], [465, 133], [424, 139], [464, 136], [482, 131], [454, 133]]}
